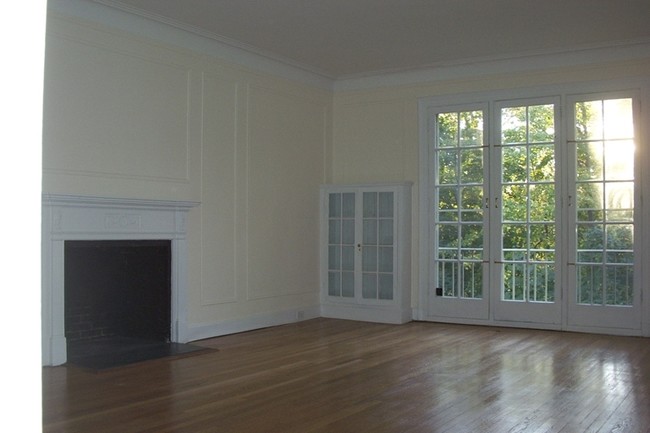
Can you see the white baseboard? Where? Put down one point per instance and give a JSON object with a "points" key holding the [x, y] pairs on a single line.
{"points": [[367, 314], [216, 329]]}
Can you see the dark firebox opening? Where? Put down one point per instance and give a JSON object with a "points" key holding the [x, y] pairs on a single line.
{"points": [[117, 289]]}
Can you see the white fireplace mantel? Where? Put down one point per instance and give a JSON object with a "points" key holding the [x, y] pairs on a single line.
{"points": [[67, 217]]}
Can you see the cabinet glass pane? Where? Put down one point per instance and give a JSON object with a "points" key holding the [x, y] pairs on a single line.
{"points": [[334, 283], [369, 204], [385, 205], [369, 259], [385, 259], [334, 258], [348, 232], [369, 286], [347, 284], [386, 232], [347, 258], [385, 286], [370, 232], [334, 236], [348, 205], [334, 205]]}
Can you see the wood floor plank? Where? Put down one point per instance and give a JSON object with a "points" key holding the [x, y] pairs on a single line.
{"points": [[328, 375]]}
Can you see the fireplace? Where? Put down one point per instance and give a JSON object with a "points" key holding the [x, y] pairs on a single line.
{"points": [[117, 289], [114, 230]]}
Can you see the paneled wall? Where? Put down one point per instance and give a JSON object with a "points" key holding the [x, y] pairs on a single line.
{"points": [[130, 117], [133, 118]]}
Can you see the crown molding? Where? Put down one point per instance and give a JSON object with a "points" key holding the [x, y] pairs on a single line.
{"points": [[113, 14], [480, 67]]}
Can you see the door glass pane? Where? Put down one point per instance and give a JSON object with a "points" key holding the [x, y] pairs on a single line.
{"points": [[589, 165], [472, 202], [471, 166], [447, 130], [472, 279], [528, 203], [541, 275], [604, 218], [459, 185], [447, 167]]}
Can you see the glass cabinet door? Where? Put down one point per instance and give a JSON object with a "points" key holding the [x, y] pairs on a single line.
{"points": [[377, 246], [341, 244], [360, 245], [365, 252]]}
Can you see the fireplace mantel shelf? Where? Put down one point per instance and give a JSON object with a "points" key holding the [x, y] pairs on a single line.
{"points": [[114, 202]]}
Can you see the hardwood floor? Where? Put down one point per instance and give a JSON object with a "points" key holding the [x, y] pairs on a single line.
{"points": [[328, 375]]}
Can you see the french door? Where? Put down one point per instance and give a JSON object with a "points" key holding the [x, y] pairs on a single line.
{"points": [[604, 259], [460, 190], [532, 216], [525, 189]]}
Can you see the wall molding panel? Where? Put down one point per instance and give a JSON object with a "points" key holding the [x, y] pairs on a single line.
{"points": [[219, 257]]}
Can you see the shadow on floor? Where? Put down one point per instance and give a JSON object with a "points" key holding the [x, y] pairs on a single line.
{"points": [[106, 353]]}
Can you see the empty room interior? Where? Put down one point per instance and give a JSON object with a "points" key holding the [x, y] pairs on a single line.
{"points": [[346, 216]]}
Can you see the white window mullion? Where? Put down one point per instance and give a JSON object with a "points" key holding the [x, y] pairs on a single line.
{"points": [[493, 212]]}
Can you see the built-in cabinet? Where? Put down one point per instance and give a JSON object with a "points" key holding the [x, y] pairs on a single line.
{"points": [[365, 252]]}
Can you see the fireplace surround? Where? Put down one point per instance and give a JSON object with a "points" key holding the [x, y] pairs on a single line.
{"points": [[67, 218]]}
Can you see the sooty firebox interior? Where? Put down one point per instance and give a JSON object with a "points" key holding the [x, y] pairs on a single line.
{"points": [[117, 288], [118, 302]]}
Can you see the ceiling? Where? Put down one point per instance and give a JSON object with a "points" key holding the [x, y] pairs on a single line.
{"points": [[351, 38]]}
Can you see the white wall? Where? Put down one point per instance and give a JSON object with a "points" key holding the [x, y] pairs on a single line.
{"points": [[128, 117]]}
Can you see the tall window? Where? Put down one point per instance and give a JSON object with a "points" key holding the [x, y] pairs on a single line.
{"points": [[459, 187], [528, 191], [604, 146]]}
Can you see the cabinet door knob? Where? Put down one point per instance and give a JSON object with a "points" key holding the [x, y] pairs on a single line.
{"points": [[359, 247]]}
